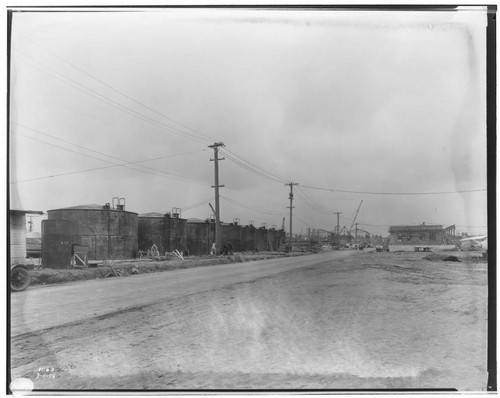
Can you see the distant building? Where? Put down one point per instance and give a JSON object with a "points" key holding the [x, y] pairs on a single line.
{"points": [[422, 235]]}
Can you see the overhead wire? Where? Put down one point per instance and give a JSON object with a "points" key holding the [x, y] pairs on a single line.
{"points": [[393, 193], [250, 168], [114, 103], [72, 143], [245, 206], [253, 197], [231, 155], [311, 203], [253, 166], [301, 220], [111, 87], [124, 164], [241, 162], [93, 169], [195, 205]]}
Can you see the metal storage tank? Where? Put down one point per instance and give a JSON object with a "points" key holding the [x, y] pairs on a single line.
{"points": [[279, 239], [17, 235], [232, 233], [57, 241], [200, 236], [261, 239], [109, 233], [248, 238], [167, 231]]}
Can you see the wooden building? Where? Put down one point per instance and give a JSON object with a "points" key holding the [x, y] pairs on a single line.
{"points": [[422, 235]]}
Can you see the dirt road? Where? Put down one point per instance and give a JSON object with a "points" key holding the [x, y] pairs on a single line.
{"points": [[45, 307], [335, 321]]}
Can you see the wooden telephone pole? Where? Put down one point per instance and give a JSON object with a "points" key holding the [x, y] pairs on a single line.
{"points": [[337, 227], [218, 236], [291, 207]]}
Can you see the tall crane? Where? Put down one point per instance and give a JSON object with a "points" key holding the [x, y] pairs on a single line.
{"points": [[356, 216]]}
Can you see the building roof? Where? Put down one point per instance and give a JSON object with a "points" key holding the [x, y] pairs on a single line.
{"points": [[414, 228]]}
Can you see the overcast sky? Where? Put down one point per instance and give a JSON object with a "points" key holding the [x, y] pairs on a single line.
{"points": [[351, 105]]}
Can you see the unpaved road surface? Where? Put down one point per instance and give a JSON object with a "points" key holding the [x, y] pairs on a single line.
{"points": [[41, 308], [333, 321]]}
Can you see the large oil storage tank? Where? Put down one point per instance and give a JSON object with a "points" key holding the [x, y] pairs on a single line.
{"points": [[167, 231], [261, 239], [200, 236], [279, 239], [58, 237], [248, 238], [108, 232], [232, 233]]}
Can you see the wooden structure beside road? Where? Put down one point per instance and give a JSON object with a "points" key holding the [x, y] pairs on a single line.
{"points": [[422, 235]]}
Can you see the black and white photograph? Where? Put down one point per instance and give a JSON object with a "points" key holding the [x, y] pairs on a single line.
{"points": [[250, 199]]}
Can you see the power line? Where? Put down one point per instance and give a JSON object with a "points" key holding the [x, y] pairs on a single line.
{"points": [[393, 193], [197, 135], [248, 207], [112, 88], [124, 164], [253, 197], [89, 149], [310, 202], [257, 168], [259, 171], [63, 140], [113, 103], [60, 147], [302, 221], [96, 168], [197, 204], [251, 169]]}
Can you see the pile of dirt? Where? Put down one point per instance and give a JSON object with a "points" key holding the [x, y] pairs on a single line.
{"points": [[124, 268], [440, 257]]}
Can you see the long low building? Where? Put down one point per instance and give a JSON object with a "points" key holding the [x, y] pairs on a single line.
{"points": [[422, 235]]}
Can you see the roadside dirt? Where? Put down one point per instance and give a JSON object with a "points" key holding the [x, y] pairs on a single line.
{"points": [[124, 268], [372, 320]]}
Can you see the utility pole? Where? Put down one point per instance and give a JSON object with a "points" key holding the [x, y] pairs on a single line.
{"points": [[30, 223], [291, 207], [337, 228], [356, 234], [218, 237]]}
